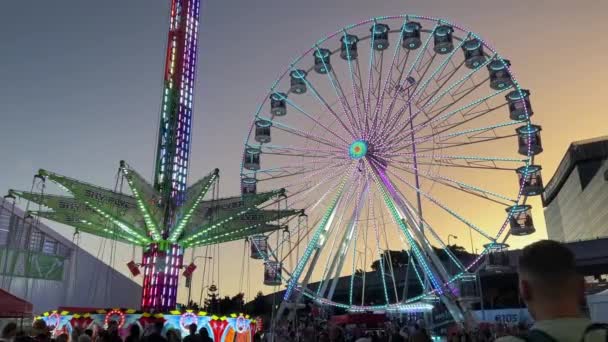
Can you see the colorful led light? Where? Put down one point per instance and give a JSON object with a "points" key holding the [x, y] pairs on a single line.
{"points": [[358, 149]]}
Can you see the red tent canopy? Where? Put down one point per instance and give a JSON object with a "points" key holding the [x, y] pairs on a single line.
{"points": [[13, 306]]}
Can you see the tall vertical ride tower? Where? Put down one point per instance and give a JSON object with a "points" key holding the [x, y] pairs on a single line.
{"points": [[173, 148], [162, 261], [165, 217]]}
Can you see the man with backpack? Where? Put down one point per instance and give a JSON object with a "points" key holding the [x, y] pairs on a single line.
{"points": [[553, 292]]}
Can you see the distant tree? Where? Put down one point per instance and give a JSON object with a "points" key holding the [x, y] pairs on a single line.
{"points": [[212, 302], [397, 258], [238, 302], [193, 306], [258, 305]]}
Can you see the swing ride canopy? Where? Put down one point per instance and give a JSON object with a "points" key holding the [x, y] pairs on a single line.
{"points": [[133, 218]]}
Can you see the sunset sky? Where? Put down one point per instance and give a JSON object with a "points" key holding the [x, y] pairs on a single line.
{"points": [[81, 81]]}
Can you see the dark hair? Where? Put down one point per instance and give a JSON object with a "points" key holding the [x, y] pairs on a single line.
{"points": [[547, 261], [204, 332], [158, 326], [88, 332], [134, 330], [192, 328]]}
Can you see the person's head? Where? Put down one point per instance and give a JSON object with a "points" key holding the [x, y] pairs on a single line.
{"points": [[192, 328], [23, 338], [9, 330], [103, 336], [134, 330], [171, 335], [158, 327], [203, 332], [548, 281], [39, 328], [84, 338], [89, 332], [62, 338], [336, 333]]}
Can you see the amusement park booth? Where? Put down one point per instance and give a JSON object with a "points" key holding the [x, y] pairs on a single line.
{"points": [[233, 328]]}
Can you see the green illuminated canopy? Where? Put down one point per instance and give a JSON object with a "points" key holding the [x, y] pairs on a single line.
{"points": [[134, 218]]}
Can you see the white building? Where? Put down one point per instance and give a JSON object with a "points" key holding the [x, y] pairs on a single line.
{"points": [[576, 198], [46, 269]]}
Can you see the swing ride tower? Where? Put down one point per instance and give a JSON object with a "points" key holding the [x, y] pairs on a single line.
{"points": [[166, 217]]}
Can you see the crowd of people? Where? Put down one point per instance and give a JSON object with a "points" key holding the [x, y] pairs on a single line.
{"points": [[322, 331], [548, 283], [41, 333]]}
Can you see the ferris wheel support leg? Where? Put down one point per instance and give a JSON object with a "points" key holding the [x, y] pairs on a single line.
{"points": [[461, 312], [298, 297], [428, 259], [334, 273]]}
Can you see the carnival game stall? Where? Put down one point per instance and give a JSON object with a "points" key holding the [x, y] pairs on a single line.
{"points": [[236, 327]]}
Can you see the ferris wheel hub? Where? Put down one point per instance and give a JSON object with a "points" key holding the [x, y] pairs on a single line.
{"points": [[358, 149]]}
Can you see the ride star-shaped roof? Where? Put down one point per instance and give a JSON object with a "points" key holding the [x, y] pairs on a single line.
{"points": [[134, 218]]}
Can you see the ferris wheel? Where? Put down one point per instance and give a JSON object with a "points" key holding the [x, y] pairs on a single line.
{"points": [[393, 134]]}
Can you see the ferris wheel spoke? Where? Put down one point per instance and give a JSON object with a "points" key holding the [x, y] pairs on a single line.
{"points": [[481, 162], [444, 207], [442, 146], [352, 114], [297, 151], [438, 119], [455, 99], [333, 253], [285, 171], [388, 192], [433, 100], [397, 90], [341, 97], [378, 249], [469, 116], [302, 134], [313, 119], [317, 200], [328, 218], [454, 86], [440, 83], [470, 136], [329, 108], [461, 186], [372, 57], [427, 227], [419, 56], [389, 78], [327, 172], [300, 240], [390, 262], [423, 51], [357, 86], [375, 84], [467, 158], [417, 91]]}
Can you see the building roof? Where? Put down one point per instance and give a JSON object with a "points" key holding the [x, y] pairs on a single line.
{"points": [[7, 205], [579, 151]]}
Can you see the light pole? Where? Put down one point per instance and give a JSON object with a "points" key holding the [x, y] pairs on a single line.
{"points": [[451, 236], [190, 277]]}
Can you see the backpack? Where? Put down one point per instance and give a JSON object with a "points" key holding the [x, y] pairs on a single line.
{"points": [[536, 335]]}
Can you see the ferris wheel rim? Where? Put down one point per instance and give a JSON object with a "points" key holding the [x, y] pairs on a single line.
{"points": [[516, 87]]}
